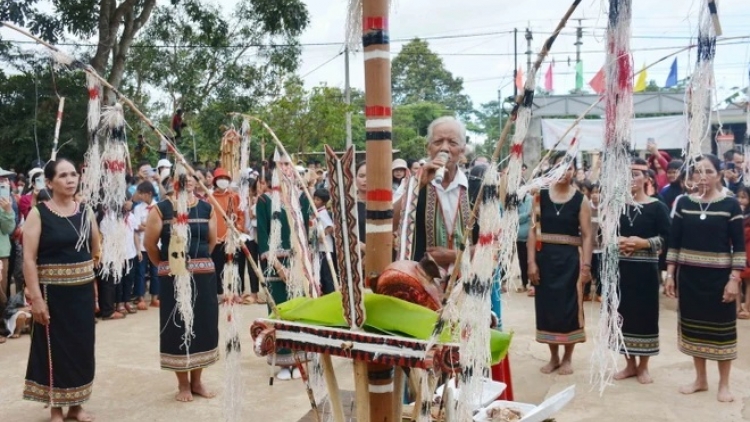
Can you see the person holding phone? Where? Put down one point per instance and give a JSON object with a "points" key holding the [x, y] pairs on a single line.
{"points": [[658, 162], [29, 198], [7, 226]]}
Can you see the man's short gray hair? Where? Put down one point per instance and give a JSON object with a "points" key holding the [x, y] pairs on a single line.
{"points": [[449, 120]]}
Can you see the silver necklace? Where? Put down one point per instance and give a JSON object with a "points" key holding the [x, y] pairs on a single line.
{"points": [[557, 211], [632, 216], [703, 211]]}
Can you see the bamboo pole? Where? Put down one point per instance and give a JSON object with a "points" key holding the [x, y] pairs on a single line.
{"points": [[334, 394], [58, 123], [379, 205]]}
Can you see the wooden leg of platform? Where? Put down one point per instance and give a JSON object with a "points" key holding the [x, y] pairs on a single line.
{"points": [[398, 393], [361, 391], [380, 380], [337, 408]]}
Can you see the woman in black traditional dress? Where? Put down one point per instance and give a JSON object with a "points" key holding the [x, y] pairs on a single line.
{"points": [[644, 231], [59, 278], [706, 256], [187, 363], [558, 269]]}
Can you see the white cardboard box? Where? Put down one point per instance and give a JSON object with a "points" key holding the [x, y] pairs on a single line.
{"points": [[532, 413]]}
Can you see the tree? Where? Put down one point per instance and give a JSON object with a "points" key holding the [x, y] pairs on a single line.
{"points": [[306, 120], [29, 105], [211, 58], [418, 75], [117, 25]]}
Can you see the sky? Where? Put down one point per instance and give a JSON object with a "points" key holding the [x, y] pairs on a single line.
{"points": [[484, 56], [475, 39]]}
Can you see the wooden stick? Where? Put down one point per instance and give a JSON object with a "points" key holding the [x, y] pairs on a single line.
{"points": [[178, 156], [308, 388], [58, 123], [361, 391], [496, 154], [398, 393], [334, 394], [303, 183], [715, 17]]}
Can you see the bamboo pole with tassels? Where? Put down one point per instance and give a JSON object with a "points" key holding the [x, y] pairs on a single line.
{"points": [[520, 99], [64, 59]]}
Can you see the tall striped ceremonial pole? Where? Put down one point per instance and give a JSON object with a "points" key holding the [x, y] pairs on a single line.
{"points": [[379, 239]]}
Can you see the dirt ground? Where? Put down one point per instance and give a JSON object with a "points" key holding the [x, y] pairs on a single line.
{"points": [[129, 385]]}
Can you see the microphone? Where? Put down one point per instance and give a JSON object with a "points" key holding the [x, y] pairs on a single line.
{"points": [[440, 172]]}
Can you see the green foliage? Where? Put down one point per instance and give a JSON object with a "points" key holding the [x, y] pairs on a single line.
{"points": [[17, 102], [418, 75], [306, 120]]}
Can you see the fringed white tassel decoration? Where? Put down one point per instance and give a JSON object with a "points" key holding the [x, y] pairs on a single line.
{"points": [[113, 263], [425, 395], [353, 38], [92, 176], [615, 187], [746, 164], [699, 92], [233, 383], [244, 161], [554, 174], [475, 317], [297, 283], [510, 218], [299, 231], [178, 247], [274, 236]]}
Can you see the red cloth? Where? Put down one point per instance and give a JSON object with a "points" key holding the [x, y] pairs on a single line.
{"points": [[746, 272], [661, 177], [24, 205], [177, 123]]}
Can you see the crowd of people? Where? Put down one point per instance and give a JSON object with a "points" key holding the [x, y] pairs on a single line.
{"points": [[50, 248]]}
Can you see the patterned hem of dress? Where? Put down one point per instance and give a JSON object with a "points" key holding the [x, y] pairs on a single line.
{"points": [[577, 336], [640, 346], [61, 397], [708, 351], [195, 266], [184, 363]]}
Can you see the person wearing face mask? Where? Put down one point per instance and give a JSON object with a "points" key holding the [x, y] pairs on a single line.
{"points": [[230, 203], [29, 197], [7, 226]]}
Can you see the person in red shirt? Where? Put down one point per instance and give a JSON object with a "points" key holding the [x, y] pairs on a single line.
{"points": [[658, 161], [177, 125]]}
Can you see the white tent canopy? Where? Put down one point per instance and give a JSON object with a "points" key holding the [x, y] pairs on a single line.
{"points": [[669, 132]]}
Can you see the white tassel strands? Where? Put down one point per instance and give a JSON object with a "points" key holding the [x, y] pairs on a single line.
{"points": [[615, 187], [474, 323], [274, 237], [244, 160], [700, 90], [233, 383], [113, 259], [183, 286]]}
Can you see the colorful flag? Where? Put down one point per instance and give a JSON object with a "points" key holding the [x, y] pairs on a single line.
{"points": [[640, 84], [579, 75], [548, 81], [519, 79], [597, 83], [672, 78]]}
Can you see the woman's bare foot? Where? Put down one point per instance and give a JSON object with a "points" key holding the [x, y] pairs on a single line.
{"points": [[77, 413], [200, 390], [184, 394], [694, 387], [56, 415], [566, 368], [644, 377], [725, 396], [551, 367], [628, 372]]}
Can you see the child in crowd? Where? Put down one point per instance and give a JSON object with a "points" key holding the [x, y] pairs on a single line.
{"points": [[743, 309], [124, 289], [325, 239], [593, 191], [145, 194]]}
